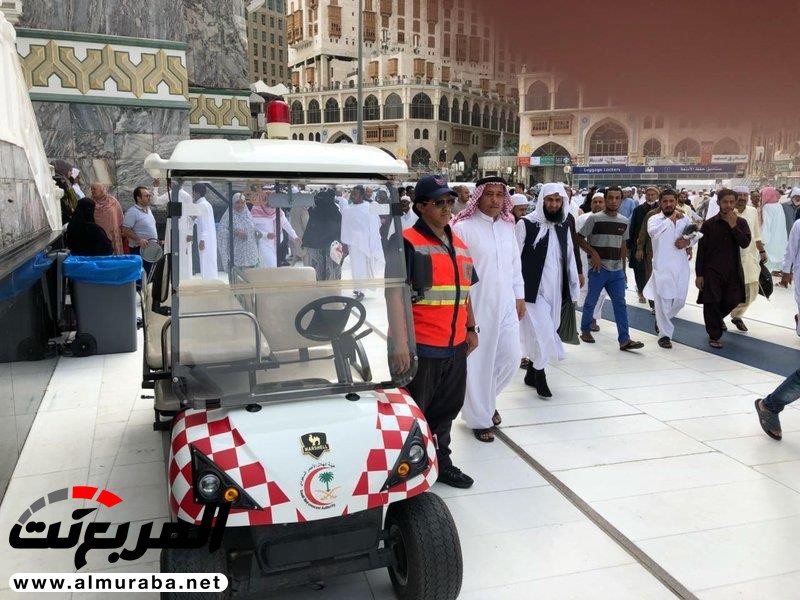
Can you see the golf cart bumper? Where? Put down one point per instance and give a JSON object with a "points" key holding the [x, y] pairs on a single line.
{"points": [[268, 558]]}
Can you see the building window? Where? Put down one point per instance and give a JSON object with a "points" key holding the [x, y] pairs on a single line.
{"points": [[393, 107], [726, 146], [372, 110], [609, 139], [421, 107], [416, 134], [314, 112], [425, 134], [476, 115], [297, 113], [659, 122], [421, 158], [444, 109], [537, 97], [332, 112], [351, 109], [652, 147]]}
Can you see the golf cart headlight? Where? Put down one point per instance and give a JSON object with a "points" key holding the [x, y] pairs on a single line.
{"points": [[209, 486], [416, 453]]}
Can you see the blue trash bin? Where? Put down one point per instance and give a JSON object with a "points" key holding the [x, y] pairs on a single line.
{"points": [[103, 292]]}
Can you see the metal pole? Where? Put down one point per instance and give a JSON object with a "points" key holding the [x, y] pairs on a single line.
{"points": [[360, 82]]}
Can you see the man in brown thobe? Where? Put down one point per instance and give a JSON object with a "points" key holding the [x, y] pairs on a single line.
{"points": [[720, 278]]}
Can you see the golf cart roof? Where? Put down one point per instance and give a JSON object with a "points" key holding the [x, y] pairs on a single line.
{"points": [[260, 157]]}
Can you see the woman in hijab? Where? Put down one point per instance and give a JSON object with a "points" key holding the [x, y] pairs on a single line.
{"points": [[245, 235], [108, 214], [324, 227], [84, 237], [264, 218], [773, 228]]}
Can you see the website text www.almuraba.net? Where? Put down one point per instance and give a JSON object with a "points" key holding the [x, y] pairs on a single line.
{"points": [[122, 582]]}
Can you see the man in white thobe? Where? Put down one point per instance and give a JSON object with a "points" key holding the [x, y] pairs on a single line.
{"points": [[669, 281], [550, 276], [752, 256], [185, 228], [598, 206], [486, 225], [206, 233], [791, 267], [361, 232]]}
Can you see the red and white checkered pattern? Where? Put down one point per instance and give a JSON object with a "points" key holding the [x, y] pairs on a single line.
{"points": [[397, 413], [211, 433]]}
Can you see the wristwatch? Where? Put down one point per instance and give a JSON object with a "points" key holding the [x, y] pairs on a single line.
{"points": [[474, 329]]}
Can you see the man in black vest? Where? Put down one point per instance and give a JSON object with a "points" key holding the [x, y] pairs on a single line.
{"points": [[550, 273]]}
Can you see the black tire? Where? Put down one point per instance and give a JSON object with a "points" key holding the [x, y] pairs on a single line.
{"points": [[195, 560], [84, 344], [427, 551]]}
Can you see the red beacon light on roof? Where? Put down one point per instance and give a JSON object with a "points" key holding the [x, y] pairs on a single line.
{"points": [[278, 120]]}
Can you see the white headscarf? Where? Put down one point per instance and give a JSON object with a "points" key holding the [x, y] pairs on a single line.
{"points": [[795, 192], [741, 189], [520, 200], [538, 216]]}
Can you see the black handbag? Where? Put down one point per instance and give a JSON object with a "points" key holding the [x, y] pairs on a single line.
{"points": [[765, 283], [568, 328]]}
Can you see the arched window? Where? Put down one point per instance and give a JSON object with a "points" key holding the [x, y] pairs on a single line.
{"points": [[474, 161], [486, 121], [301, 136], [537, 97], [393, 107], [687, 148], [442, 155], [567, 94], [459, 158], [652, 147], [495, 125], [476, 115], [444, 109], [416, 134], [332, 112], [298, 118], [659, 122], [516, 124], [456, 116], [372, 110], [421, 107], [425, 134], [465, 113], [420, 158], [502, 120], [314, 113], [351, 109], [726, 146], [294, 136], [609, 139], [510, 122], [648, 122], [317, 137], [554, 150]]}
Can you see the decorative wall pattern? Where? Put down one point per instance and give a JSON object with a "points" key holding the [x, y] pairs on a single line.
{"points": [[214, 113], [92, 68]]}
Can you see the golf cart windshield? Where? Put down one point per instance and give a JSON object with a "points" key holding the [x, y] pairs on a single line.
{"points": [[282, 290]]}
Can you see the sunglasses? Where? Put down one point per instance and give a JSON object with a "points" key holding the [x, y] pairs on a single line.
{"points": [[441, 202]]}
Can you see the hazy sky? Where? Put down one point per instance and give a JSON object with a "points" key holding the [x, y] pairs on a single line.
{"points": [[712, 57]]}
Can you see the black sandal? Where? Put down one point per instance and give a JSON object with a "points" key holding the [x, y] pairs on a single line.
{"points": [[769, 422], [631, 345], [496, 419], [483, 435]]}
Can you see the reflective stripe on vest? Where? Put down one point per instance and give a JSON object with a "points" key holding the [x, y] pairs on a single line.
{"points": [[440, 317]]}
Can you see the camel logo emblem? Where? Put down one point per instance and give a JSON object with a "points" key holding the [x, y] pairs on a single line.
{"points": [[314, 444]]}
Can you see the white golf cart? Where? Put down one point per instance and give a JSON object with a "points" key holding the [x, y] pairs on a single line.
{"points": [[275, 381]]}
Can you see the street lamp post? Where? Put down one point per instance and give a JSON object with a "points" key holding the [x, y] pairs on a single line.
{"points": [[360, 82]]}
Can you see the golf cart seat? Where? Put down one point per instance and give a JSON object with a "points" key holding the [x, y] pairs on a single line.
{"points": [[204, 339], [277, 308]]}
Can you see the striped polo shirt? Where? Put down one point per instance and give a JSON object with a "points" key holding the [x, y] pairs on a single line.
{"points": [[606, 234]]}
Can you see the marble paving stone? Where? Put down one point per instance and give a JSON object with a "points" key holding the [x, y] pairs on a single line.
{"points": [[759, 449], [627, 582], [577, 430], [558, 456], [712, 507], [588, 370], [727, 426], [494, 475], [94, 117], [680, 391], [665, 378], [730, 555], [744, 376], [778, 587], [657, 475], [527, 398], [697, 407], [512, 511], [566, 412], [788, 473]]}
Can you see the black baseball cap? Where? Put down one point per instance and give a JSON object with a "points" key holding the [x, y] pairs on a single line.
{"points": [[431, 187]]}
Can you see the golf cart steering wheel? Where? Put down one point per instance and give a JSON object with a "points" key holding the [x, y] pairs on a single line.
{"points": [[328, 324]]}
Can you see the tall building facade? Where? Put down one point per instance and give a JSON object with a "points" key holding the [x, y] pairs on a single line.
{"points": [[439, 84], [566, 125], [267, 51]]}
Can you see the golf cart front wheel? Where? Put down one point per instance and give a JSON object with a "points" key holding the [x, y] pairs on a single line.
{"points": [[426, 550], [195, 560]]}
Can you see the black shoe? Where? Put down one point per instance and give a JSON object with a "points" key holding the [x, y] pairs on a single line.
{"points": [[530, 376], [453, 477], [541, 385], [359, 295]]}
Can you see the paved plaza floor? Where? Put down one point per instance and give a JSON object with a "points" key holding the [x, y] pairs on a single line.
{"points": [[662, 444]]}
